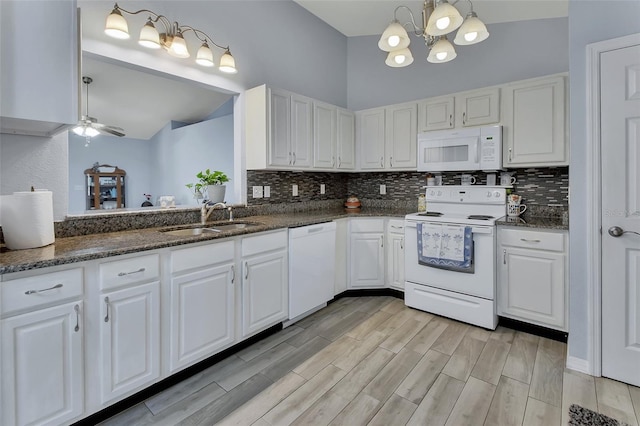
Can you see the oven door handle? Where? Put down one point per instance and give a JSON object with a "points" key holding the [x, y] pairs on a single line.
{"points": [[475, 230]]}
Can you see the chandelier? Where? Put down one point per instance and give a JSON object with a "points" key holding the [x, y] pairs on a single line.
{"points": [[439, 18], [171, 39]]}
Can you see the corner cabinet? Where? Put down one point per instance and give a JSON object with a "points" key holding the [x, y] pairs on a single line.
{"points": [[534, 118], [333, 137], [366, 253], [532, 276], [465, 109]]}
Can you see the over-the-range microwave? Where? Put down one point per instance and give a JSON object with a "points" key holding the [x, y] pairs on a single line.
{"points": [[477, 148]]}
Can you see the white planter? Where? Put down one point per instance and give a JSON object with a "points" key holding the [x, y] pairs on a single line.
{"points": [[216, 193]]}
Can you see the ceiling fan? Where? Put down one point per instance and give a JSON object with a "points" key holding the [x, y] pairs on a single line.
{"points": [[89, 126]]}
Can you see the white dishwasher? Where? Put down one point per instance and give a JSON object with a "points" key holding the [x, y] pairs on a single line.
{"points": [[312, 265]]}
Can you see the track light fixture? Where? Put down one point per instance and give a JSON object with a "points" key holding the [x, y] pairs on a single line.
{"points": [[171, 39], [439, 19]]}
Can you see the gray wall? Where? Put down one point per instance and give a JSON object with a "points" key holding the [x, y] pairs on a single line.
{"points": [[514, 51], [622, 18]]}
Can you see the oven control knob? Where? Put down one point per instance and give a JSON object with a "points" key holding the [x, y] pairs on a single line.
{"points": [[497, 194], [432, 192], [439, 193], [489, 194]]}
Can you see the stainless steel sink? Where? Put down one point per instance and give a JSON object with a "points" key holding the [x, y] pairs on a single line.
{"points": [[231, 226], [189, 232]]}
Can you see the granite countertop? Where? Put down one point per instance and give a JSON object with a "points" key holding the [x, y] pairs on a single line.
{"points": [[534, 222], [97, 246]]}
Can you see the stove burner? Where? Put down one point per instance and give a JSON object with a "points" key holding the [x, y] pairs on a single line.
{"points": [[431, 214], [479, 217]]}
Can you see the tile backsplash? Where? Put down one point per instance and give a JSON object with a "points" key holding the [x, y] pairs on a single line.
{"points": [[538, 186]]}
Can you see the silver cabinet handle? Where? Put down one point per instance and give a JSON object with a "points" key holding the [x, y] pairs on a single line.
{"points": [[294, 158], [106, 302], [397, 227], [450, 120], [382, 241], [290, 158], [124, 274], [464, 118], [509, 153], [391, 161], [529, 241], [339, 161], [616, 231], [44, 289], [504, 256], [233, 274], [246, 271], [77, 309], [333, 161], [401, 243]]}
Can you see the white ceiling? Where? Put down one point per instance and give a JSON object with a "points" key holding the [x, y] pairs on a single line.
{"points": [[369, 17]]}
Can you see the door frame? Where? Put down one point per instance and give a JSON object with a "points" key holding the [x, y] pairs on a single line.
{"points": [[594, 199]]}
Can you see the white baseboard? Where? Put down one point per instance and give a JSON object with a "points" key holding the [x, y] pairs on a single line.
{"points": [[579, 364]]}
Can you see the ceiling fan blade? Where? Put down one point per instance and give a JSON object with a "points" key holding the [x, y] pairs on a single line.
{"points": [[111, 130]]}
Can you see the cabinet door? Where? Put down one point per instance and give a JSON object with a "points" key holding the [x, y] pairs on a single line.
{"points": [[279, 129], [478, 108], [401, 136], [371, 139], [346, 142], [395, 261], [531, 286], [42, 366], [201, 314], [534, 124], [265, 298], [129, 339], [324, 136], [367, 260], [301, 131], [435, 114]]}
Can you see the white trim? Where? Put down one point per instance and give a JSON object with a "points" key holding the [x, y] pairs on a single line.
{"points": [[593, 363], [578, 364]]}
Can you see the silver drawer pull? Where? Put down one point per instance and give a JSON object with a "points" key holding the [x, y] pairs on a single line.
{"points": [[246, 271], [529, 241], [397, 227], [77, 309], [233, 274], [124, 274], [45, 289], [106, 302], [401, 243]]}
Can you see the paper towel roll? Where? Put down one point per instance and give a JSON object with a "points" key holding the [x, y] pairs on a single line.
{"points": [[27, 219]]}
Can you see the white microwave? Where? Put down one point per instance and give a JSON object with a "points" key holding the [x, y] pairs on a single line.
{"points": [[477, 148]]}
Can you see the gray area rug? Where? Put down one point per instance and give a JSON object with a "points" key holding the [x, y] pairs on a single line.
{"points": [[580, 416]]}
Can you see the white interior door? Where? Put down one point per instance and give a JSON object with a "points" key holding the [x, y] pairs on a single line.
{"points": [[620, 138]]}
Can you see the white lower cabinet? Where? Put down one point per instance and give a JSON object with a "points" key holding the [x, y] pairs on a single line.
{"points": [[395, 254], [129, 339], [265, 295], [366, 253], [532, 277], [202, 302], [42, 349]]}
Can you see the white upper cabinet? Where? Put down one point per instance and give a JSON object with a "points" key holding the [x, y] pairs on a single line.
{"points": [[301, 131], [436, 114], [324, 135], [534, 117], [401, 136], [36, 101], [478, 107], [370, 136], [345, 139], [279, 124]]}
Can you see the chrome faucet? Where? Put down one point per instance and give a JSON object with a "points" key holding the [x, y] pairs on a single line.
{"points": [[206, 210]]}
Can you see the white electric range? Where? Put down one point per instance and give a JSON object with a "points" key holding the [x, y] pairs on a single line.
{"points": [[464, 296]]}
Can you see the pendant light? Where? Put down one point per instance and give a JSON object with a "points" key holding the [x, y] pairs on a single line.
{"points": [[471, 31], [442, 51], [394, 37], [399, 58], [444, 19]]}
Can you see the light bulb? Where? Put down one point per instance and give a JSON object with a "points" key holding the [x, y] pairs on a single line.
{"points": [[178, 47], [394, 37], [443, 22], [228, 63], [393, 41], [149, 36], [471, 36], [204, 56], [399, 59], [441, 56]]}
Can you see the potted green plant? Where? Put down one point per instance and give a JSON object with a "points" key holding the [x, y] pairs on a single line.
{"points": [[211, 182]]}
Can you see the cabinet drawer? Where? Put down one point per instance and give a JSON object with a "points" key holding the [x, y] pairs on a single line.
{"points": [[395, 226], [264, 242], [367, 225], [533, 239], [44, 289], [128, 271], [201, 256]]}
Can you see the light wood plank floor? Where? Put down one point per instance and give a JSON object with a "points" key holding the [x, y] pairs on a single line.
{"points": [[372, 360]]}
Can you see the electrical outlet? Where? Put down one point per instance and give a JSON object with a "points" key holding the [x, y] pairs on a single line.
{"points": [[322, 188], [257, 192], [267, 191], [294, 190], [383, 189]]}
